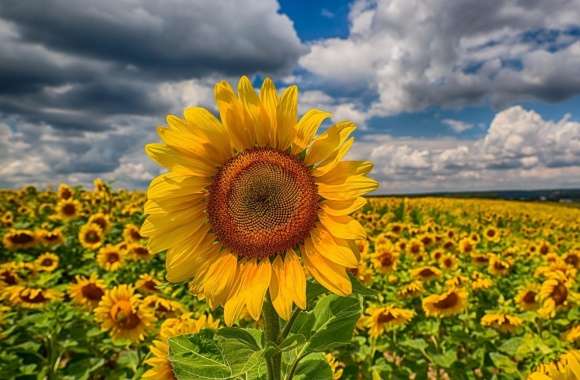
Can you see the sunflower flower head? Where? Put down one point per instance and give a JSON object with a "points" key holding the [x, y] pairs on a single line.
{"points": [[87, 292], [254, 200], [121, 313]]}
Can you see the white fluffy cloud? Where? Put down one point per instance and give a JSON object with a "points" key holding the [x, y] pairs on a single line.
{"points": [[519, 150], [418, 53]]}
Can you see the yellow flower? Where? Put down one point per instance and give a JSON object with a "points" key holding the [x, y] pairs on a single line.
{"points": [[147, 283], [50, 238], [136, 251], [47, 262], [498, 266], [110, 258], [121, 313], [425, 273], [554, 294], [101, 220], [9, 275], [385, 258], [572, 334], [572, 258], [385, 318], [162, 307], [31, 298], [91, 236], [19, 239], [566, 368], [451, 302], [492, 234], [448, 262], [68, 209], [501, 321], [87, 292], [65, 192], [254, 198], [415, 247], [411, 289], [336, 366], [159, 360], [131, 233], [528, 297], [466, 246]]}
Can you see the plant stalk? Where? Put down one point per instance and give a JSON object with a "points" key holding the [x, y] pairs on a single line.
{"points": [[271, 334]]}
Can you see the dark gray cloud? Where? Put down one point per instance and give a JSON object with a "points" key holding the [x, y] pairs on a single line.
{"points": [[84, 83], [173, 39]]}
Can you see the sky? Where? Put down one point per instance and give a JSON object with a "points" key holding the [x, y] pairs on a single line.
{"points": [[462, 95]]}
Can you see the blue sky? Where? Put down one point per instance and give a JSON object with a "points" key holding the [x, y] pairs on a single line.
{"points": [[461, 95]]}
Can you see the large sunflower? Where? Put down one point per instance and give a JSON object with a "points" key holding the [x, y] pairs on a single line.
{"points": [[253, 199]]}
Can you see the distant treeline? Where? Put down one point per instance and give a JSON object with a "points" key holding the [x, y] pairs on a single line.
{"points": [[555, 195]]}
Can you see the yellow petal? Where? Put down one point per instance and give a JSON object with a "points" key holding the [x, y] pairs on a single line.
{"points": [[230, 111], [281, 299], [345, 207], [170, 185], [333, 160], [354, 187], [269, 100], [219, 277], [286, 117], [343, 227], [307, 127], [296, 278], [336, 250], [251, 106], [257, 286], [182, 261], [343, 170], [328, 142], [330, 275]]}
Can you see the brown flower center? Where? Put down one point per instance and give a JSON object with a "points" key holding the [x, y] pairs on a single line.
{"points": [[385, 317], [22, 238], [124, 315], [448, 302], [529, 297], [92, 292], [69, 209], [559, 294], [262, 202], [112, 257], [92, 237]]}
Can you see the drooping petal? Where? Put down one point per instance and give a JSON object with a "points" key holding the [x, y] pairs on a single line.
{"points": [[296, 278], [336, 250], [281, 299], [343, 227], [345, 207], [330, 275]]}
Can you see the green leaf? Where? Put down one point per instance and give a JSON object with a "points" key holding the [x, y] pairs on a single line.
{"points": [[418, 344], [207, 355], [303, 324], [241, 335], [503, 362], [511, 346], [314, 366], [335, 319], [292, 341], [313, 291], [446, 359], [359, 288]]}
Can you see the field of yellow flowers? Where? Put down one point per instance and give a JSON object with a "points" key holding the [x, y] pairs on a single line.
{"points": [[452, 289]]}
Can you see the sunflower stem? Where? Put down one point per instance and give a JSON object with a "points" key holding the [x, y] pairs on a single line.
{"points": [[288, 325], [272, 333]]}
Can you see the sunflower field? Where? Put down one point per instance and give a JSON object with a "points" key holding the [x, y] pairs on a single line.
{"points": [[445, 289]]}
